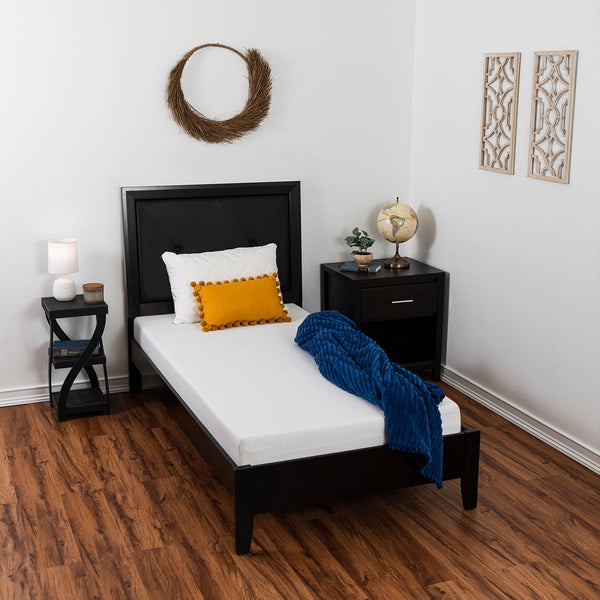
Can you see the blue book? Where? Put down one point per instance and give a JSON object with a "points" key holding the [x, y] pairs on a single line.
{"points": [[66, 348], [352, 267]]}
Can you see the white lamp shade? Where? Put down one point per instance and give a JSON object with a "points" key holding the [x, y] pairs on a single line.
{"points": [[62, 256]]}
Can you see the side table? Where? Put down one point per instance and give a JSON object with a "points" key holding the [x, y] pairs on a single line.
{"points": [[68, 402], [403, 310]]}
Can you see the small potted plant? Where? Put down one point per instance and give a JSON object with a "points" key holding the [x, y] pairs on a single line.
{"points": [[360, 240]]}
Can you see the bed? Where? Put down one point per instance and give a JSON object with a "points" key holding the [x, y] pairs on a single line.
{"points": [[270, 459]]}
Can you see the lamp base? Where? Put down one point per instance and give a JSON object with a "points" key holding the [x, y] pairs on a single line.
{"points": [[63, 288]]}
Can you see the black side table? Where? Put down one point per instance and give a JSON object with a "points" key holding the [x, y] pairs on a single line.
{"points": [[403, 310], [67, 402]]}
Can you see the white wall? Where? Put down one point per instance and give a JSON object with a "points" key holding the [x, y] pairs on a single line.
{"points": [[83, 113], [523, 254]]}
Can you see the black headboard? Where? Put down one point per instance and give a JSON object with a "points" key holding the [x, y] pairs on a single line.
{"points": [[200, 218]]}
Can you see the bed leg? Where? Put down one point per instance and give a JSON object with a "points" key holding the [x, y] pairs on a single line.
{"points": [[244, 524], [470, 478], [135, 379], [135, 376]]}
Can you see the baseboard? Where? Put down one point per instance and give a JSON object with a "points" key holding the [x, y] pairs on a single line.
{"points": [[12, 397], [559, 440]]}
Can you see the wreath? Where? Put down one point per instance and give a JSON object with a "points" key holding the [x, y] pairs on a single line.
{"points": [[198, 126]]}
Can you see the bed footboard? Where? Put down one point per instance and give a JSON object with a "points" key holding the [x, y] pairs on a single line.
{"points": [[325, 478], [332, 477]]}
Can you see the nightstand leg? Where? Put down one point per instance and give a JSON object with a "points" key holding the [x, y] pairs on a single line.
{"points": [[50, 380], [61, 402], [92, 376], [50, 346], [106, 392]]}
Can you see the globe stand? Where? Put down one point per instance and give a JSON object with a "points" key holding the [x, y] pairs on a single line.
{"points": [[396, 262]]}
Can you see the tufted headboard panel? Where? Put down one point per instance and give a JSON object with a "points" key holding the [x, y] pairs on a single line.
{"points": [[200, 218]]}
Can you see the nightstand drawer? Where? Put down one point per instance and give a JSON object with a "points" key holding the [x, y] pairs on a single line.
{"points": [[398, 302]]}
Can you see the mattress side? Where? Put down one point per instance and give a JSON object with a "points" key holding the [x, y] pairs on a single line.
{"points": [[262, 397]]}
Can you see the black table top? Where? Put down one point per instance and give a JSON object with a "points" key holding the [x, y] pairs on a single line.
{"points": [[415, 270], [72, 308]]}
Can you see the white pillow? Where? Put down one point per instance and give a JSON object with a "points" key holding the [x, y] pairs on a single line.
{"points": [[213, 266]]}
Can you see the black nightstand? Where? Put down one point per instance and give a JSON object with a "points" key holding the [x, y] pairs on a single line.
{"points": [[67, 402], [403, 310]]}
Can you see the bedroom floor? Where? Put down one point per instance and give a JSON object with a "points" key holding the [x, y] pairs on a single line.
{"points": [[121, 506]]}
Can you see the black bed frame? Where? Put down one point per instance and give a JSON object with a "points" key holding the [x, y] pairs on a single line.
{"points": [[198, 218]]}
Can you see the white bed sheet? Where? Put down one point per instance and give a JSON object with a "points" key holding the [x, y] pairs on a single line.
{"points": [[261, 397]]}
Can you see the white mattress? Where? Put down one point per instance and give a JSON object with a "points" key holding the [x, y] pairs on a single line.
{"points": [[261, 397]]}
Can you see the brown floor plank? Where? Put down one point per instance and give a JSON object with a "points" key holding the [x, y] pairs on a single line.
{"points": [[478, 587], [59, 582], [508, 458], [122, 506], [409, 560], [190, 522], [375, 563], [20, 425], [539, 581], [17, 577], [7, 489], [283, 537], [126, 495], [40, 513], [165, 573]]}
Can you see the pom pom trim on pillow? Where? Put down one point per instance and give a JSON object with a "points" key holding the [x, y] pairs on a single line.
{"points": [[215, 265], [240, 302]]}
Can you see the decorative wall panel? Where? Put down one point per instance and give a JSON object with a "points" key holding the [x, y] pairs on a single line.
{"points": [[499, 111], [551, 127]]}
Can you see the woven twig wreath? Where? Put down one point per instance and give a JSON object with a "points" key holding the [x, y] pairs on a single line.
{"points": [[214, 132]]}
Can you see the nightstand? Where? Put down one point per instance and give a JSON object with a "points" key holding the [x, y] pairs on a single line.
{"points": [[68, 402], [403, 310]]}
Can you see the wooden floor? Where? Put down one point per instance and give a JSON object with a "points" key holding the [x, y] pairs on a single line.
{"points": [[121, 506]]}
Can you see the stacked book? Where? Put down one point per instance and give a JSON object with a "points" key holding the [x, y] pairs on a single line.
{"points": [[352, 267], [71, 348]]}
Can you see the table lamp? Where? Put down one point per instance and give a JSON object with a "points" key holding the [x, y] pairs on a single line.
{"points": [[62, 260]]}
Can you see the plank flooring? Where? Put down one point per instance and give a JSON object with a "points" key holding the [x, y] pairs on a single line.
{"points": [[122, 506]]}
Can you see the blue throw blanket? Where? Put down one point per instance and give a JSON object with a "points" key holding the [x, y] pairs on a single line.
{"points": [[354, 362]]}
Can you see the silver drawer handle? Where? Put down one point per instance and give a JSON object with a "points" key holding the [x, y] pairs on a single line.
{"points": [[401, 301]]}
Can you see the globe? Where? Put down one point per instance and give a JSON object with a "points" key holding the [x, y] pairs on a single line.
{"points": [[397, 223]]}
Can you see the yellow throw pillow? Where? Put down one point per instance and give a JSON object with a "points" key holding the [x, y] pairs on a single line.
{"points": [[252, 301]]}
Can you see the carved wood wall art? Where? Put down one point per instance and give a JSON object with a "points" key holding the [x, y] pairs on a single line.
{"points": [[552, 104], [212, 131], [499, 112]]}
